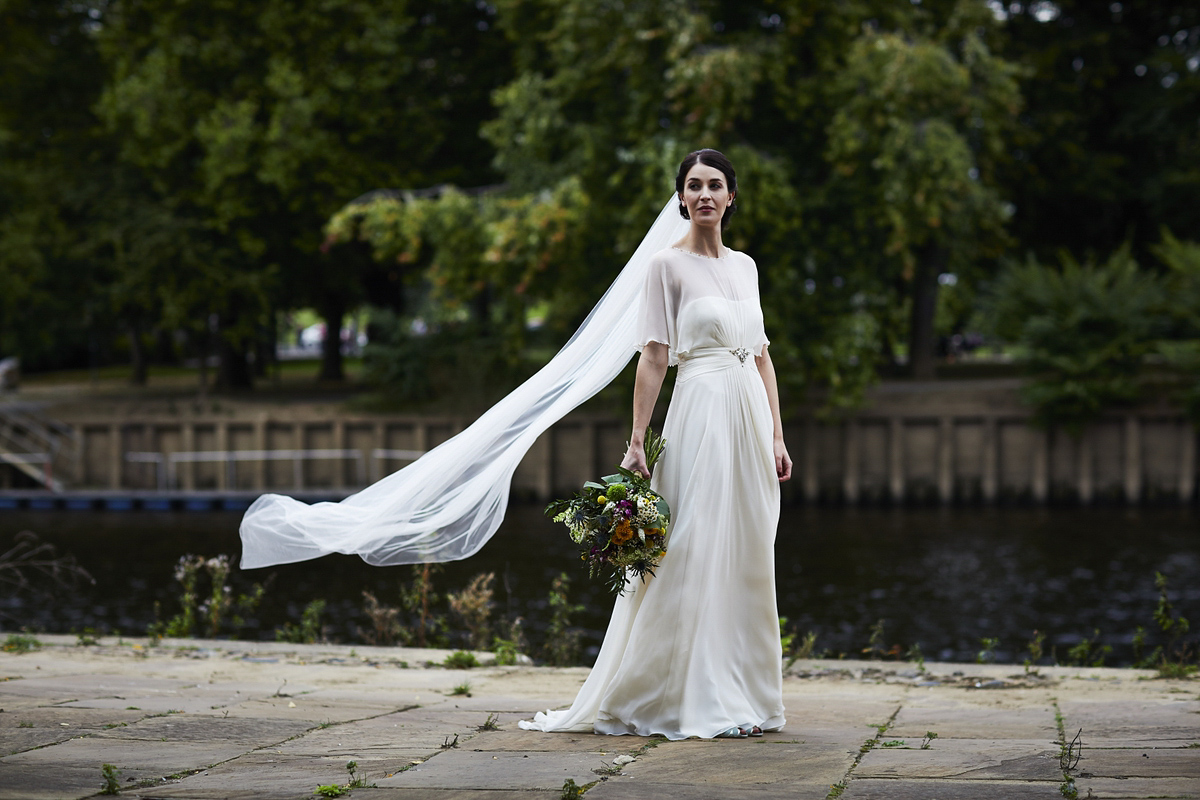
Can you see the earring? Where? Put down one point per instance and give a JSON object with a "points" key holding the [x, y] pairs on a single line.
{"points": [[683, 212]]}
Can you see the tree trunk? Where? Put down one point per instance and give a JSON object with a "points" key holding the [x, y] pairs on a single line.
{"points": [[234, 371], [333, 310], [137, 356], [930, 262]]}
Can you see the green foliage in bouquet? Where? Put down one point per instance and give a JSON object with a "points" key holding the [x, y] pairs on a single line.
{"points": [[619, 523]]}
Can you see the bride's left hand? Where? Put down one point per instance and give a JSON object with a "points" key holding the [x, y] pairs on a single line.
{"points": [[783, 462]]}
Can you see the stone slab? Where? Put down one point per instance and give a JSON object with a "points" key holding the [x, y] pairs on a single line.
{"points": [[517, 740], [72, 769], [963, 721], [907, 789], [624, 788], [1141, 763], [974, 759], [382, 793], [753, 763], [60, 782], [1132, 718], [457, 769], [1138, 788], [181, 728], [271, 776], [77, 686], [287, 708], [380, 734]]}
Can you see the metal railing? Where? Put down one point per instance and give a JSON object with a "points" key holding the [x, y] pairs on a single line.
{"points": [[25, 463], [28, 438]]}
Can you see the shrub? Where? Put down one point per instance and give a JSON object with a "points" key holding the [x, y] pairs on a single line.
{"points": [[1083, 331]]}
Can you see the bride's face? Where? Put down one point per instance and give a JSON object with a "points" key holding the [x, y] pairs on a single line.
{"points": [[706, 195]]}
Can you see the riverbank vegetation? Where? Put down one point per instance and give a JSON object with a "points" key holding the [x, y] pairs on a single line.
{"points": [[464, 620], [178, 178]]}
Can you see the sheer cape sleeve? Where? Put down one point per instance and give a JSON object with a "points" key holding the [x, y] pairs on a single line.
{"points": [[659, 304]]}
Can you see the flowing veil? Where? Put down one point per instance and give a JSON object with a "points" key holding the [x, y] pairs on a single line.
{"points": [[447, 504]]}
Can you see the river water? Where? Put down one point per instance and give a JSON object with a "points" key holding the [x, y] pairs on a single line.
{"points": [[942, 578]]}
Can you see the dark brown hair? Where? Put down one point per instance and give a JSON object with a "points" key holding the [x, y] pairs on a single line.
{"points": [[716, 160]]}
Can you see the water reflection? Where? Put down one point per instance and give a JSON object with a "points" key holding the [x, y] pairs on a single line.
{"points": [[941, 578]]}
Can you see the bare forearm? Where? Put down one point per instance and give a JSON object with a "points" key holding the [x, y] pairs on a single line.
{"points": [[767, 370], [651, 369]]}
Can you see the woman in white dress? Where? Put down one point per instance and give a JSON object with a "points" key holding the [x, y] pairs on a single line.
{"points": [[695, 651]]}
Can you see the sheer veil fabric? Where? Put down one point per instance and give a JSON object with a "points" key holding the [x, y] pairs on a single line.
{"points": [[448, 503]]}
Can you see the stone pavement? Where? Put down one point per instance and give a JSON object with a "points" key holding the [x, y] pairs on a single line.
{"points": [[220, 719]]}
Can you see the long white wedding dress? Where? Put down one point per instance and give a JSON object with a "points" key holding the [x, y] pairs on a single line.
{"points": [[695, 650]]}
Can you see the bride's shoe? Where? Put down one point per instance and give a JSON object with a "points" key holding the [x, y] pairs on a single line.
{"points": [[733, 733], [750, 730]]}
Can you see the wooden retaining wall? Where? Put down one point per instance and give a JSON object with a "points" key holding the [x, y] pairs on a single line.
{"points": [[950, 443]]}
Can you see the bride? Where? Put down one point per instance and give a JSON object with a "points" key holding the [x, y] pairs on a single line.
{"points": [[695, 651]]}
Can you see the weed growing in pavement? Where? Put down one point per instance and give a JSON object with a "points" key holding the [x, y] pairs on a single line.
{"points": [[507, 649], [418, 599], [86, 638], [927, 739], [786, 638], [562, 641], [460, 659], [108, 774], [385, 621], [807, 647], [895, 743], [1089, 653], [572, 791], [489, 724], [473, 605], [463, 688], [309, 629], [915, 655], [337, 790], [1068, 753], [449, 743], [20, 643], [220, 603], [987, 650], [875, 649], [25, 724], [1175, 659], [1036, 648]]}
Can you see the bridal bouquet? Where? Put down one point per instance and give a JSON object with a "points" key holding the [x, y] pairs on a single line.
{"points": [[620, 524]]}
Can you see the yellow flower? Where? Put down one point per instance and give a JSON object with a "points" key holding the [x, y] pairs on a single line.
{"points": [[601, 499], [624, 532]]}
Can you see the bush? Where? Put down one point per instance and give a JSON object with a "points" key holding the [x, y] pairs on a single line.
{"points": [[309, 629], [460, 659], [1083, 330]]}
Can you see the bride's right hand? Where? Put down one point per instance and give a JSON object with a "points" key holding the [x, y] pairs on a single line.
{"points": [[635, 460]]}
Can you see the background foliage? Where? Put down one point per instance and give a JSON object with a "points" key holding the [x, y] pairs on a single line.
{"points": [[175, 174]]}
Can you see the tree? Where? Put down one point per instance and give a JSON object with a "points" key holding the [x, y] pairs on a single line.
{"points": [[914, 144], [259, 120], [1108, 145], [50, 161]]}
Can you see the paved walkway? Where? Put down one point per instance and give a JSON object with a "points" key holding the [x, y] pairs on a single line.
{"points": [[207, 719]]}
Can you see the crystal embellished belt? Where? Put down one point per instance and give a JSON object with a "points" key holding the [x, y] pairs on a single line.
{"points": [[741, 353]]}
